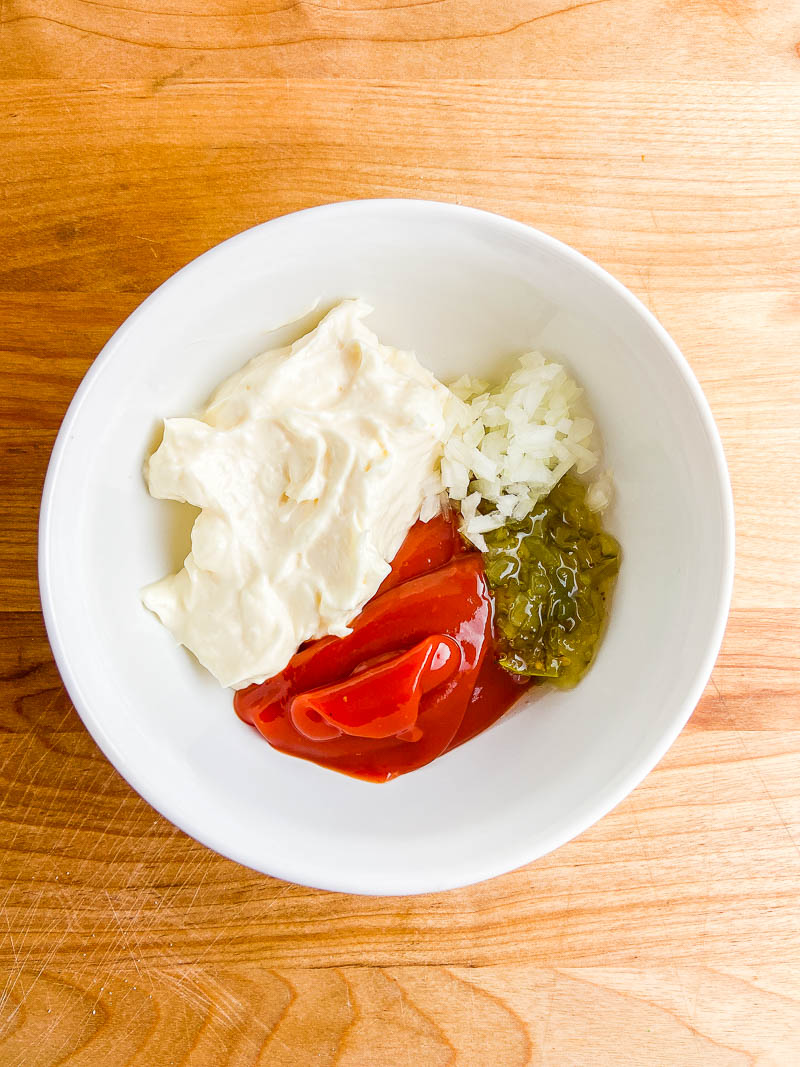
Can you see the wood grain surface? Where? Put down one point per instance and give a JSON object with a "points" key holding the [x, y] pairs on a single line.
{"points": [[660, 137]]}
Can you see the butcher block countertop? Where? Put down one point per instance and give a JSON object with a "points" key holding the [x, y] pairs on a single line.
{"points": [[662, 139]]}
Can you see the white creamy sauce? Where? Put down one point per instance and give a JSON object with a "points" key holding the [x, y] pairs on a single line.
{"points": [[310, 465]]}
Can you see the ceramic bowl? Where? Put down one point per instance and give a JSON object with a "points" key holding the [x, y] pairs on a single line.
{"points": [[464, 289]]}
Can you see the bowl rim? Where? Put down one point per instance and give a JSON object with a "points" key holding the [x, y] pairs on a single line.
{"points": [[299, 871]]}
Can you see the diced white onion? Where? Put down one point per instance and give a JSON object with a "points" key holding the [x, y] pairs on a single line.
{"points": [[511, 444]]}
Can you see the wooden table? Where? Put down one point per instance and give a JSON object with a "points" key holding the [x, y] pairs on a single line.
{"points": [[663, 140]]}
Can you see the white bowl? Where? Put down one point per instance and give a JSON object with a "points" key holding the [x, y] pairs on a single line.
{"points": [[463, 289]]}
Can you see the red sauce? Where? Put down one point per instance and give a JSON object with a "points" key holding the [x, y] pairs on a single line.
{"points": [[416, 677]]}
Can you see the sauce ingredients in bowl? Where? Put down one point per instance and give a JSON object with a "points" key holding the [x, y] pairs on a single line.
{"points": [[382, 565]]}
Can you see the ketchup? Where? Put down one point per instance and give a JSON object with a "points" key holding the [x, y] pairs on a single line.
{"points": [[416, 676]]}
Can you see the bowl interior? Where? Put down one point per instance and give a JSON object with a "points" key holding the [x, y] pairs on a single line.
{"points": [[465, 290]]}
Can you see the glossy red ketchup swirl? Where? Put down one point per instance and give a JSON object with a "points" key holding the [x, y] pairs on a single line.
{"points": [[416, 676]]}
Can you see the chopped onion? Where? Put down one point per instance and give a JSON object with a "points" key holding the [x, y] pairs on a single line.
{"points": [[509, 445]]}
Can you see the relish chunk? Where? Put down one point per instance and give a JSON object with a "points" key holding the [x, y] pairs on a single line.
{"points": [[552, 575]]}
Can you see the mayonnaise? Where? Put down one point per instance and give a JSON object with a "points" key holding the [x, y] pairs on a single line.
{"points": [[310, 465]]}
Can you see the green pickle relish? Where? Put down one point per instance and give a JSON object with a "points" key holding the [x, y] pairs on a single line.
{"points": [[552, 574]]}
